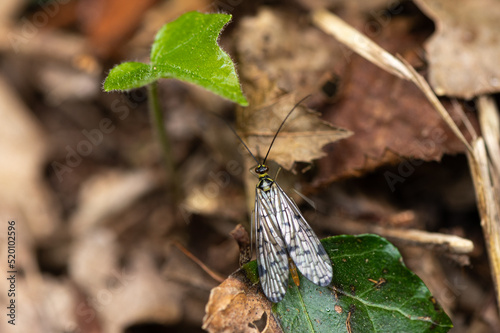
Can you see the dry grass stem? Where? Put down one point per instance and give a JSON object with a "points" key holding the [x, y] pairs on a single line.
{"points": [[207, 270], [449, 243]]}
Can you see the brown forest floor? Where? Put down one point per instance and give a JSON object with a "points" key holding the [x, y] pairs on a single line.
{"points": [[82, 175]]}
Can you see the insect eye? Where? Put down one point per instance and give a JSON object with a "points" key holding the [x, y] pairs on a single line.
{"points": [[261, 169]]}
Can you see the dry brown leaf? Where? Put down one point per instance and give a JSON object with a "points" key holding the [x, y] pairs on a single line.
{"points": [[390, 117], [391, 120], [238, 306], [301, 139], [463, 53]]}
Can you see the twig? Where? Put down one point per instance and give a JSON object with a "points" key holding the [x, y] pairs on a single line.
{"points": [[487, 201], [191, 256], [490, 128], [449, 243]]}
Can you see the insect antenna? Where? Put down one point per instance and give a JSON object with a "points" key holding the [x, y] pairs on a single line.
{"points": [[241, 140], [281, 126], [275, 135]]}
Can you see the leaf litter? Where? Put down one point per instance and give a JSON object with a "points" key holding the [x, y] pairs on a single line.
{"points": [[297, 59], [463, 51]]}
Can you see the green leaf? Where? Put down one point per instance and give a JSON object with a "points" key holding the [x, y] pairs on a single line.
{"points": [[185, 49], [133, 74], [371, 287]]}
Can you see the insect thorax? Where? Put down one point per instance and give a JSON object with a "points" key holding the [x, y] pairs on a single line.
{"points": [[265, 183]]}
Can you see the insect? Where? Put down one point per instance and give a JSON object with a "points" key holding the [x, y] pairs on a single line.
{"points": [[281, 232]]}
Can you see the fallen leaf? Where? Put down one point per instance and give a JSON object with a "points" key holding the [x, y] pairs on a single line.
{"points": [[237, 306], [301, 138], [463, 52], [392, 120]]}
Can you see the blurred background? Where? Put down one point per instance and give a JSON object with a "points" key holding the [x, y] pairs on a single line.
{"points": [[103, 246]]}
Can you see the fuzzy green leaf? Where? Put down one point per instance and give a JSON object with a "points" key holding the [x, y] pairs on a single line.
{"points": [[372, 290], [185, 49]]}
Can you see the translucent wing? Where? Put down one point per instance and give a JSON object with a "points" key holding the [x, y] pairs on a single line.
{"points": [[272, 257], [301, 242]]}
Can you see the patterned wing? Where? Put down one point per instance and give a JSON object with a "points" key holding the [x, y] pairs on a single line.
{"points": [[302, 244], [272, 258]]}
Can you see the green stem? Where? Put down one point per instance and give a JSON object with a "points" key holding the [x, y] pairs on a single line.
{"points": [[156, 115]]}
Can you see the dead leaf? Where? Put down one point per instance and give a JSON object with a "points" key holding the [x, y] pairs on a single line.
{"points": [[301, 139], [463, 53], [390, 117], [238, 306]]}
